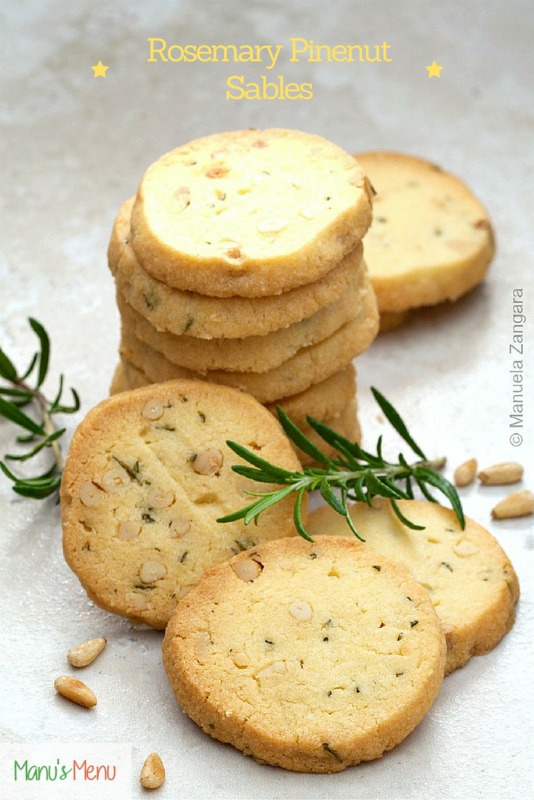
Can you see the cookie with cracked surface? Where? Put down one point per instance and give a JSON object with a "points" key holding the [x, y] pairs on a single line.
{"points": [[469, 577], [308, 656], [251, 353], [146, 477], [431, 239], [249, 213], [205, 317]]}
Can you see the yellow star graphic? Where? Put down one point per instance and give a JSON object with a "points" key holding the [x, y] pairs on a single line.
{"points": [[434, 70], [99, 70]]}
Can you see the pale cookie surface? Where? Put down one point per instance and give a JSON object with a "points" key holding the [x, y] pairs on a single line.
{"points": [[147, 475], [249, 213], [253, 353], [307, 367], [325, 400], [470, 580], [431, 240], [308, 656], [205, 317]]}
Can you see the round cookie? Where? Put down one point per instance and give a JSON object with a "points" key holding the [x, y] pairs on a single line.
{"points": [[207, 317], [249, 213], [431, 240], [308, 366], [147, 475], [253, 353], [325, 400], [308, 656], [469, 578]]}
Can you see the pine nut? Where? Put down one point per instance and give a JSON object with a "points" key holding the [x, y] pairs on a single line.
{"points": [[136, 601], [81, 655], [152, 571], [113, 479], [202, 647], [517, 504], [465, 473], [248, 570], [501, 474], [300, 610], [178, 527], [157, 498], [129, 530], [209, 462], [276, 667], [152, 410], [465, 548], [75, 690], [90, 495], [153, 772]]}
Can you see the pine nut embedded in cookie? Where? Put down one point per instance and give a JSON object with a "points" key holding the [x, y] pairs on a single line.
{"points": [[248, 570], [81, 655], [209, 462], [178, 527], [90, 495], [157, 498], [501, 474], [75, 690], [152, 410], [300, 609], [276, 667], [152, 571], [153, 772], [465, 473], [129, 530], [517, 504]]}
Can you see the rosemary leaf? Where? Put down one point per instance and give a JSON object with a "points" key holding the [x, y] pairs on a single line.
{"points": [[43, 433], [300, 439], [358, 474], [44, 355], [11, 412], [7, 368], [395, 420]]}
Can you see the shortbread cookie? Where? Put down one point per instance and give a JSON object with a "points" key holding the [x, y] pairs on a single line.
{"points": [[325, 400], [469, 578], [207, 317], [307, 367], [253, 353], [249, 213], [307, 656], [431, 240], [147, 476]]}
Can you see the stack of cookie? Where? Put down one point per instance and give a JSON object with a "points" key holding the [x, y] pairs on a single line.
{"points": [[239, 262]]}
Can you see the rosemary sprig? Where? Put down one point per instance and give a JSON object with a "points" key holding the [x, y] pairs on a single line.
{"points": [[24, 389], [356, 473]]}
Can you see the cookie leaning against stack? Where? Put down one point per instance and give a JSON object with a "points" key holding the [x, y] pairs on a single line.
{"points": [[239, 261], [147, 475], [308, 656], [431, 239]]}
